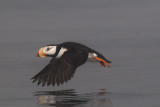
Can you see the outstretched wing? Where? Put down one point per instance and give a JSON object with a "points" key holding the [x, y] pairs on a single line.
{"points": [[60, 70]]}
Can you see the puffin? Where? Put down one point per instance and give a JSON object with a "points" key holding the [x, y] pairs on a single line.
{"points": [[66, 57]]}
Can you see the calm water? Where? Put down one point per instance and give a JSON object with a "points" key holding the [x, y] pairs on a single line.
{"points": [[126, 31]]}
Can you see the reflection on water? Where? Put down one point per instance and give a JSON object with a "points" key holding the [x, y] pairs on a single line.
{"points": [[69, 98]]}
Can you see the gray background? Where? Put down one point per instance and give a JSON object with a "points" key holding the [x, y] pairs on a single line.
{"points": [[126, 30]]}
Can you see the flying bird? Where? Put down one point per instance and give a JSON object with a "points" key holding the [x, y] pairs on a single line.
{"points": [[66, 57]]}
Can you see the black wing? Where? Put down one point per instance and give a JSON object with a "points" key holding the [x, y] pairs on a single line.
{"points": [[61, 70]]}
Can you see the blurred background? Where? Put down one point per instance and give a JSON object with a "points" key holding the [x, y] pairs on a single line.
{"points": [[127, 31]]}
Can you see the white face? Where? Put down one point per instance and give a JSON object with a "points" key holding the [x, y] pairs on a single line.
{"points": [[49, 50]]}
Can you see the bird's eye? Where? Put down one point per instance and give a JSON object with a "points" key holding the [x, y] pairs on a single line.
{"points": [[48, 48]]}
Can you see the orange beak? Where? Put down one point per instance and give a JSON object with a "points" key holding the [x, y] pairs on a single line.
{"points": [[102, 61], [40, 53]]}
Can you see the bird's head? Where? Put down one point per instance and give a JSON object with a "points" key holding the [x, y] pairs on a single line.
{"points": [[47, 51]]}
